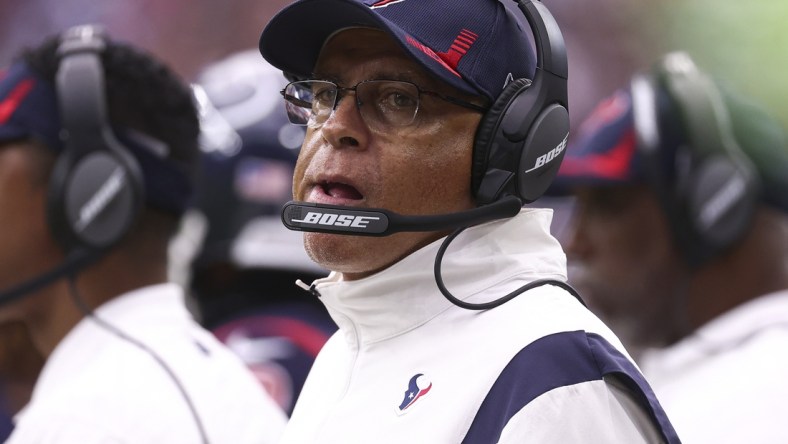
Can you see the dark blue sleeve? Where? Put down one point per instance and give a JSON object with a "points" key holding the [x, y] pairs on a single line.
{"points": [[560, 360]]}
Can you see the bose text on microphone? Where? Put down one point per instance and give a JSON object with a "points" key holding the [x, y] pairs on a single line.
{"points": [[306, 216]]}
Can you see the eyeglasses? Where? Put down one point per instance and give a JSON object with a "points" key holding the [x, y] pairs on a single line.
{"points": [[381, 103]]}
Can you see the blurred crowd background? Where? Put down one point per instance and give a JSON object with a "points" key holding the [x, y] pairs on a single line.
{"points": [[743, 42]]}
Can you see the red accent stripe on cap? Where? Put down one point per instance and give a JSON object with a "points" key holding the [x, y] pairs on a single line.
{"points": [[613, 164], [14, 99], [429, 52], [384, 3], [462, 43], [451, 58]]}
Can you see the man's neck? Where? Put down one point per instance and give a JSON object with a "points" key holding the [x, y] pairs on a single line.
{"points": [[755, 267], [54, 311]]}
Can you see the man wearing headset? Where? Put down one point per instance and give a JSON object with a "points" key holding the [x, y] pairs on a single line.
{"points": [[704, 305], [125, 362], [393, 94]]}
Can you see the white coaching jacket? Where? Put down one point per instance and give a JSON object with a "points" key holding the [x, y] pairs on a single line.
{"points": [[408, 366]]}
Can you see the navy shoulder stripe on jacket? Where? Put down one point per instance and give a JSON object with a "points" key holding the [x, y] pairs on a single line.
{"points": [[560, 360]]}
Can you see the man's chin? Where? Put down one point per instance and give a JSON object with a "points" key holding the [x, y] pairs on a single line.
{"points": [[339, 252], [358, 256]]}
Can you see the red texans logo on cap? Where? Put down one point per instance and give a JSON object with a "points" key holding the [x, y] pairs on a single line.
{"points": [[384, 3]]}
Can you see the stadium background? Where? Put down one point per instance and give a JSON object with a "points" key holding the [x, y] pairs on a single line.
{"points": [[744, 42]]}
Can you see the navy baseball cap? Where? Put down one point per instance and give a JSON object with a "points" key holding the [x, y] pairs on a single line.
{"points": [[29, 110], [477, 46], [605, 152]]}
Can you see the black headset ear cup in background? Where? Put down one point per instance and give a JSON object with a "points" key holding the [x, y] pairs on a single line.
{"points": [[96, 187], [521, 139], [711, 200]]}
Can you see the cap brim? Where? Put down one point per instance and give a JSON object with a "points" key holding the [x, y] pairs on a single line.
{"points": [[10, 133], [565, 186], [293, 39], [587, 172]]}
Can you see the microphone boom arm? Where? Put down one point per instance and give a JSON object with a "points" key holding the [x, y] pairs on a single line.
{"points": [[321, 218]]}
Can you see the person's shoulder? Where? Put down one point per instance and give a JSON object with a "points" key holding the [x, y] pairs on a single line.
{"points": [[571, 371]]}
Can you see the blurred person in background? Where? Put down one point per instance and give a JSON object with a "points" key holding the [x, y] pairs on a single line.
{"points": [[98, 142], [679, 241], [243, 276]]}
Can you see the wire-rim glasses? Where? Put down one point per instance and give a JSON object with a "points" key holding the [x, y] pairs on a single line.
{"points": [[381, 103]]}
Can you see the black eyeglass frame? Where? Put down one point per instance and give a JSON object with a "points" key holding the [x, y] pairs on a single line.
{"points": [[339, 89]]}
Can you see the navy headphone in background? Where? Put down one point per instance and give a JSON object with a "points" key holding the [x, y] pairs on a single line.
{"points": [[518, 149], [96, 187], [711, 200]]}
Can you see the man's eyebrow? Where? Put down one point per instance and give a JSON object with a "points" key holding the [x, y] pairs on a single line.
{"points": [[405, 76], [324, 76], [410, 77]]}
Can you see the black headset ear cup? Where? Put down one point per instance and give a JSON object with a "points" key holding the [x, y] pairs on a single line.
{"points": [[720, 200], [516, 152], [94, 199], [542, 152], [521, 139], [486, 131]]}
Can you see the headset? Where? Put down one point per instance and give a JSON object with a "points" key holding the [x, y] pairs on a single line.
{"points": [[711, 200], [521, 139], [96, 188]]}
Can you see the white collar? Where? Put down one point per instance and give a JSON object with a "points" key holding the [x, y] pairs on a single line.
{"points": [[495, 258]]}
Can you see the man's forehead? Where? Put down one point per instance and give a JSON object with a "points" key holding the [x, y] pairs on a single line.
{"points": [[370, 53]]}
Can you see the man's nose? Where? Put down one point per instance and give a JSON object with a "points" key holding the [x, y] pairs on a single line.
{"points": [[345, 127]]}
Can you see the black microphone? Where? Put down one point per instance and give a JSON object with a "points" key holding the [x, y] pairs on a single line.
{"points": [[306, 216], [74, 262]]}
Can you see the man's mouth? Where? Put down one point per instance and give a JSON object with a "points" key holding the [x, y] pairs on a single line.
{"points": [[339, 190]]}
